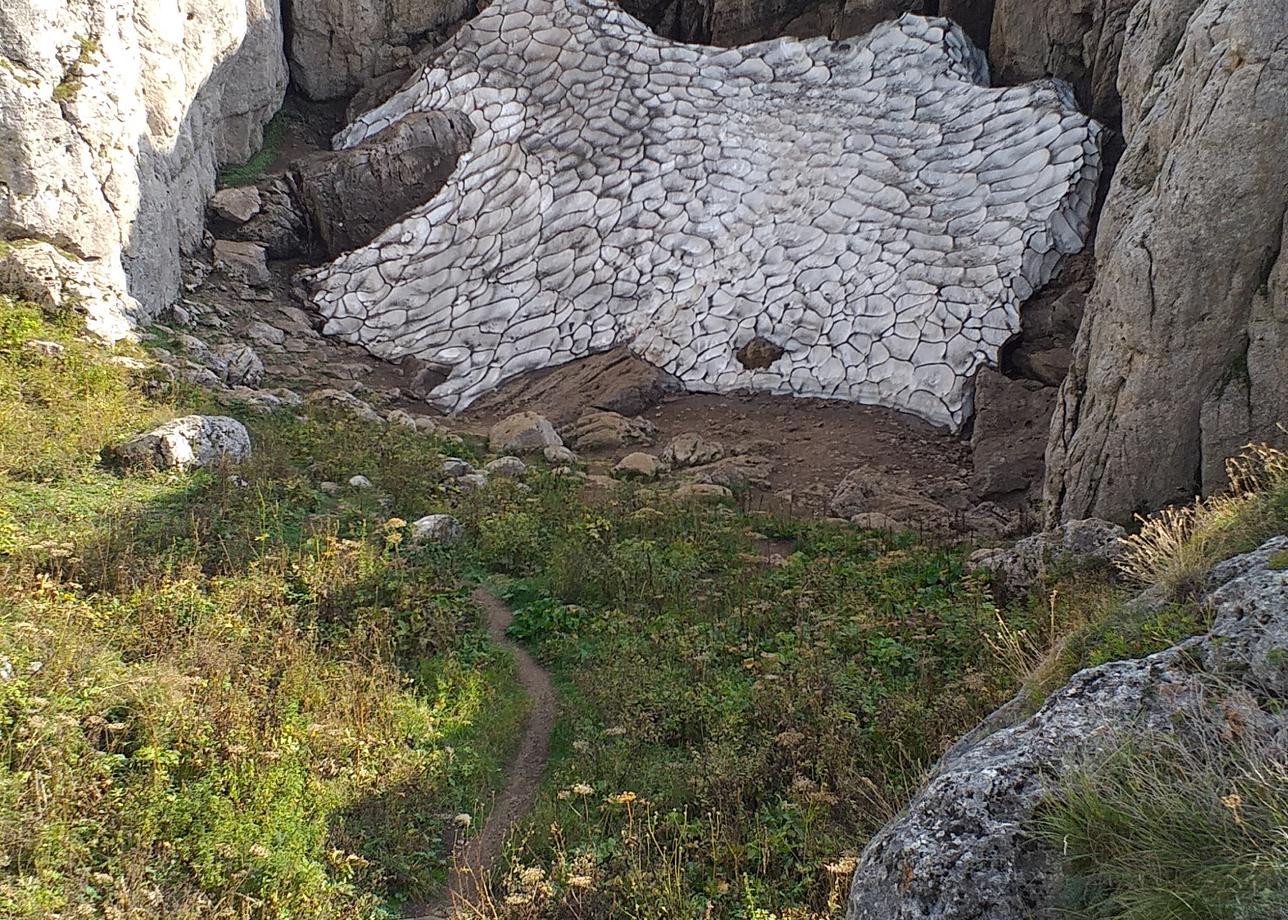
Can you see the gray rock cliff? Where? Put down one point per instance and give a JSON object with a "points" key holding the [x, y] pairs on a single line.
{"points": [[115, 116], [1177, 360]]}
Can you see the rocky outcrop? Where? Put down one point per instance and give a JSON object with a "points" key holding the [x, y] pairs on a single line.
{"points": [[339, 45], [352, 195], [964, 849], [1075, 40], [1178, 357], [114, 118]]}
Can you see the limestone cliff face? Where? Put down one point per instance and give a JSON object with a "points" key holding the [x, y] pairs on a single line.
{"points": [[1178, 360], [116, 114]]}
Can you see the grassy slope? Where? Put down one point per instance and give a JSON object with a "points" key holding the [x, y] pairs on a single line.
{"points": [[222, 696], [238, 696]]}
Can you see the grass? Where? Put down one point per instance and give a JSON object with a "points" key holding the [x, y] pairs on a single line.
{"points": [[229, 694], [1192, 826], [732, 731], [252, 169], [224, 696], [1176, 548]]}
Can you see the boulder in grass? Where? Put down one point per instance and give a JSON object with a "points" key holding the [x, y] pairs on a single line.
{"points": [[190, 442], [441, 529]]}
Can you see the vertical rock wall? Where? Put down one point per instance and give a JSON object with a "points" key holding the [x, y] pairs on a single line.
{"points": [[337, 46], [116, 114], [1178, 360]]}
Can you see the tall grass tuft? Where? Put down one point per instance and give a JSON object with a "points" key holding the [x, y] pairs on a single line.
{"points": [[1190, 826], [1176, 547]]}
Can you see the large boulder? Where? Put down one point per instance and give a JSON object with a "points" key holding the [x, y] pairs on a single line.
{"points": [[339, 45], [190, 442], [115, 117], [964, 848], [353, 195], [1178, 357], [523, 432], [1074, 544]]}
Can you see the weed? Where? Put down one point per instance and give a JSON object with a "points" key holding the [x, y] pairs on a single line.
{"points": [[1190, 826]]}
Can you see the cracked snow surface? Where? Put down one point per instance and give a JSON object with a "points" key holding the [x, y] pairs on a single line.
{"points": [[871, 206]]}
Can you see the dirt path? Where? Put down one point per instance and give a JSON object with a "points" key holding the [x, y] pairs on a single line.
{"points": [[472, 856]]}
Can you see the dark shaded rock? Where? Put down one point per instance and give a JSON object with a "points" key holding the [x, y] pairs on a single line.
{"points": [[1008, 443], [758, 354], [353, 195], [279, 226], [1075, 40], [1049, 324]]}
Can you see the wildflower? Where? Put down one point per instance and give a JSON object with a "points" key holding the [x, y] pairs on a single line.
{"points": [[395, 523], [463, 821], [1233, 802], [532, 876], [259, 851], [563, 794], [616, 731], [843, 865], [516, 900], [623, 798], [581, 881], [581, 747], [581, 789]]}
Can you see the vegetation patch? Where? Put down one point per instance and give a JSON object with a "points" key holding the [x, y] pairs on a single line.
{"points": [[224, 695], [1191, 826], [734, 731], [252, 169]]}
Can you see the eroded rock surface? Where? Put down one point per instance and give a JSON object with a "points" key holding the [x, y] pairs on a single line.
{"points": [[872, 207], [1178, 360], [114, 118], [964, 849]]}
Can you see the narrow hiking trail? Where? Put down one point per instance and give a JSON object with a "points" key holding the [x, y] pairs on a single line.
{"points": [[474, 855]]}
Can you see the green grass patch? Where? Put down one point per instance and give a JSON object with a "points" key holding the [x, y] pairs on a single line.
{"points": [[252, 169], [731, 732], [225, 695]]}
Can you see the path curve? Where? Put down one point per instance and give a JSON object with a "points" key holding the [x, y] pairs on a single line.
{"points": [[473, 856]]}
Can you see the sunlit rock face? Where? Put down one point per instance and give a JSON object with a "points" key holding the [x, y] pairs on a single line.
{"points": [[871, 207]]}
